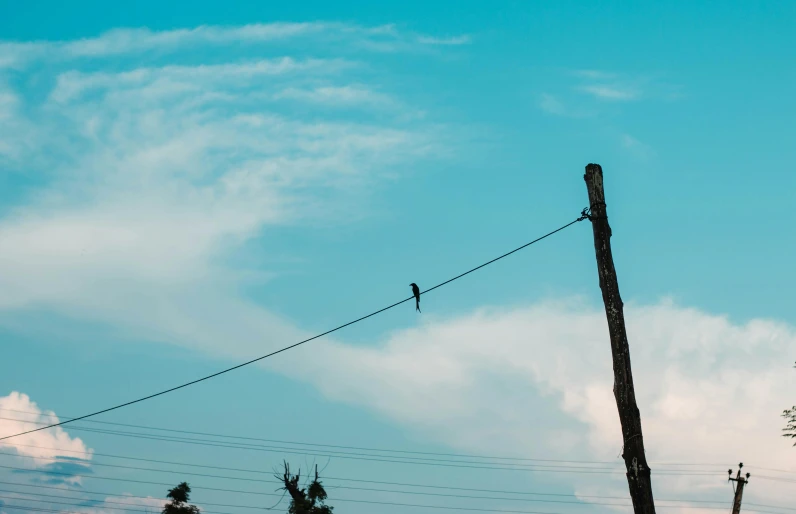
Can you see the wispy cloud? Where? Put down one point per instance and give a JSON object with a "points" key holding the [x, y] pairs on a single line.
{"points": [[121, 41], [636, 147], [337, 96], [131, 41], [624, 87], [156, 177], [552, 105], [612, 92], [72, 84], [594, 74], [454, 40], [123, 503]]}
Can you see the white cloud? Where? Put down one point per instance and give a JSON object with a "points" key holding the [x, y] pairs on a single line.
{"points": [[177, 79], [124, 503], [337, 96], [120, 41], [132, 41], [44, 446], [551, 104], [613, 92], [109, 505], [594, 74], [624, 87], [455, 40], [635, 146], [709, 390], [155, 176], [8, 102]]}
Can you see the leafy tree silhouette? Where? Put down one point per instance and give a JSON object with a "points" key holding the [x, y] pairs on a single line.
{"points": [[304, 501], [790, 419], [179, 501]]}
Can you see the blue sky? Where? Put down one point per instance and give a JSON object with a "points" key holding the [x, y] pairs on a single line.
{"points": [[184, 187]]}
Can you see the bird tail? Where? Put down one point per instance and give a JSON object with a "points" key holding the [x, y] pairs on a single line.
{"points": [[417, 305]]}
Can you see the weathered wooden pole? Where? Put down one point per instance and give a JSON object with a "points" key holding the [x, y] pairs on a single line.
{"points": [[638, 472]]}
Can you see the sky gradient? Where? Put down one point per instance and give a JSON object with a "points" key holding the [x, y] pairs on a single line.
{"points": [[187, 186]]}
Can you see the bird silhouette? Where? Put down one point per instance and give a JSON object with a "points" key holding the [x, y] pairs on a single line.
{"points": [[416, 292]]}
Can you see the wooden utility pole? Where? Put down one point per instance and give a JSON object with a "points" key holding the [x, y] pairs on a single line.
{"points": [[638, 472], [741, 481]]}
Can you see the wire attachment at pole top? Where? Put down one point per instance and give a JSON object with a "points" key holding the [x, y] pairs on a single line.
{"points": [[586, 214]]}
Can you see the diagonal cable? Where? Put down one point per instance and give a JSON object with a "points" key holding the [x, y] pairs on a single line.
{"points": [[584, 215]]}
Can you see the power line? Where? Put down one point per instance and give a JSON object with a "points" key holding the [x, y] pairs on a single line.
{"points": [[347, 455], [239, 491], [400, 484], [325, 453], [400, 492], [79, 504], [222, 477], [476, 497], [119, 466], [394, 492], [383, 450], [259, 480], [339, 327], [114, 456], [338, 499], [298, 443], [371, 502], [377, 458], [549, 469]]}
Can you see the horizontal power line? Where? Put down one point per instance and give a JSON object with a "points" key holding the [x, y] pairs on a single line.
{"points": [[372, 502], [156, 461], [457, 495], [301, 443], [400, 492], [595, 471], [371, 449], [105, 493], [324, 453], [232, 478], [368, 457], [257, 493], [83, 505], [341, 479], [261, 480], [339, 327]]}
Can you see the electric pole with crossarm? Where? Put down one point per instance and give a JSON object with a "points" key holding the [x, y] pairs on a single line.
{"points": [[740, 481]]}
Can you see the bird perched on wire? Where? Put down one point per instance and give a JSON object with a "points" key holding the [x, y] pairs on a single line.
{"points": [[416, 292]]}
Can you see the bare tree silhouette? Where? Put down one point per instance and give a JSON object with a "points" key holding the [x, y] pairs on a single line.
{"points": [[304, 501]]}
